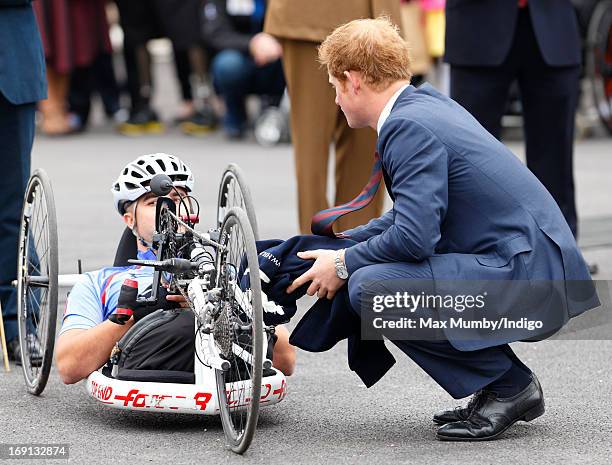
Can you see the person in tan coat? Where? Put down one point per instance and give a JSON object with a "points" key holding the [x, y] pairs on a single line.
{"points": [[316, 120]]}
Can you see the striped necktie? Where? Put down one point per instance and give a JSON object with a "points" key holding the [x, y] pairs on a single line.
{"points": [[322, 222]]}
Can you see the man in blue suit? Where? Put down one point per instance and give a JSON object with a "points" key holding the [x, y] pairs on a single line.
{"points": [[492, 43], [465, 208], [22, 84]]}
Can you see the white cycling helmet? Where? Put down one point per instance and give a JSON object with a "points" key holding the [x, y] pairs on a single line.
{"points": [[135, 178]]}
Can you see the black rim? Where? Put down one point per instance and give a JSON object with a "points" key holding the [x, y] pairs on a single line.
{"points": [[239, 388], [235, 192], [37, 282]]}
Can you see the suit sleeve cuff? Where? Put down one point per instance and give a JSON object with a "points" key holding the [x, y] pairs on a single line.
{"points": [[350, 259]]}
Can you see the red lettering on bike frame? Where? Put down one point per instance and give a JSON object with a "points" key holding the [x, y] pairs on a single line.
{"points": [[281, 391], [130, 397], [202, 399], [269, 388]]}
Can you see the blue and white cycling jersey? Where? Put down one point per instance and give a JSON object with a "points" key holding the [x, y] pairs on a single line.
{"points": [[94, 298]]}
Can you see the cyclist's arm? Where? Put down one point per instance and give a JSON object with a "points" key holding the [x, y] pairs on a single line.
{"points": [[86, 339], [79, 352]]}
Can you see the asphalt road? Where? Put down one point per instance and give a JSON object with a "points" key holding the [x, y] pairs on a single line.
{"points": [[328, 416]]}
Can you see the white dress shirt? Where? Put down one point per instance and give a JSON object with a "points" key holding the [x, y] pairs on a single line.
{"points": [[387, 109]]}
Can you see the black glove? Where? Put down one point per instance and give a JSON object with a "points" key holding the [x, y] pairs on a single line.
{"points": [[126, 302], [128, 305], [142, 309]]}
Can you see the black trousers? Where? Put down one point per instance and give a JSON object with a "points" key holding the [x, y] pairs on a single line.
{"points": [[549, 97], [16, 137]]}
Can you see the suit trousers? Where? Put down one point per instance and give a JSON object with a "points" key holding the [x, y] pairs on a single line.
{"points": [[460, 373], [317, 122], [16, 137], [549, 98]]}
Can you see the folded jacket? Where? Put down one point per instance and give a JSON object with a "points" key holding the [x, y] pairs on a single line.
{"points": [[328, 321]]}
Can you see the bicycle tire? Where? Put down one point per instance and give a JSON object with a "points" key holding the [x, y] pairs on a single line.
{"points": [[229, 196], [43, 265], [239, 441]]}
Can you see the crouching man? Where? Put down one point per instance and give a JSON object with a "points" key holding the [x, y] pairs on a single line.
{"points": [[464, 209]]}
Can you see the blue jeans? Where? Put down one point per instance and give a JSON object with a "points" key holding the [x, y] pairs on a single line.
{"points": [[235, 75], [17, 135]]}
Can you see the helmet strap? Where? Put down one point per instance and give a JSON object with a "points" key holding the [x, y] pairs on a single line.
{"points": [[134, 229]]}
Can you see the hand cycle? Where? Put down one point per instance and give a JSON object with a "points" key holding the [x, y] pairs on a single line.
{"points": [[218, 274]]}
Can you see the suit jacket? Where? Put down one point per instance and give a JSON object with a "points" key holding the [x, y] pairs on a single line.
{"points": [[22, 61], [466, 204], [314, 20], [480, 32]]}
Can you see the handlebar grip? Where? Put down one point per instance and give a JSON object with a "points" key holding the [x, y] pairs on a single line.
{"points": [[126, 302]]}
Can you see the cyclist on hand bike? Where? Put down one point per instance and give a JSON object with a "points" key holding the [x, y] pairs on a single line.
{"points": [[87, 336]]}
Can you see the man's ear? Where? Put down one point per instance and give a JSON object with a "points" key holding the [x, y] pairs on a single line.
{"points": [[128, 219], [353, 79]]}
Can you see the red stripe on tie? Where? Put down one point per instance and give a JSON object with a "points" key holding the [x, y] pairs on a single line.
{"points": [[322, 222]]}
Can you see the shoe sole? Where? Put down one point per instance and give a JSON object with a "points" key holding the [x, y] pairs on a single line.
{"points": [[193, 129], [140, 129], [440, 422], [530, 415], [33, 363]]}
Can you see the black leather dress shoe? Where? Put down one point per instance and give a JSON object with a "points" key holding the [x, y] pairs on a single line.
{"points": [[492, 415], [458, 413]]}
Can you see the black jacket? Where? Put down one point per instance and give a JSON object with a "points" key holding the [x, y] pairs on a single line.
{"points": [[480, 32], [222, 29]]}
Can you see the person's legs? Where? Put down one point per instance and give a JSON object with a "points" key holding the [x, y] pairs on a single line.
{"points": [[460, 373], [232, 74], [269, 82], [183, 73], [79, 95], [105, 83], [54, 108], [313, 122], [550, 97], [139, 25], [17, 134], [483, 91]]}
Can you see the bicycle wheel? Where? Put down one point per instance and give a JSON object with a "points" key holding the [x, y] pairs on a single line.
{"points": [[599, 60], [234, 192], [37, 281], [238, 332]]}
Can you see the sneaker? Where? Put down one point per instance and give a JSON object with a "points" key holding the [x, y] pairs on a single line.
{"points": [[201, 122], [143, 121], [272, 127], [14, 350]]}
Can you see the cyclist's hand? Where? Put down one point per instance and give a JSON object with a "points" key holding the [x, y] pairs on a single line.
{"points": [[179, 299], [142, 309], [126, 302]]}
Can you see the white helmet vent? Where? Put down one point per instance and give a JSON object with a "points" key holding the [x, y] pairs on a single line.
{"points": [[135, 178]]}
